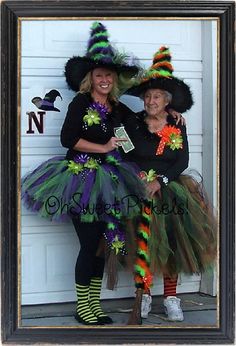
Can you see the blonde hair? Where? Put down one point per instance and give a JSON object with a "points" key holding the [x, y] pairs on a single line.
{"points": [[86, 86]]}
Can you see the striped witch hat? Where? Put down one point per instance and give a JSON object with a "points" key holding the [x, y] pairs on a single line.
{"points": [[100, 53], [160, 76]]}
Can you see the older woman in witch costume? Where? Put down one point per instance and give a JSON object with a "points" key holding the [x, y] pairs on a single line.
{"points": [[91, 184], [176, 231]]}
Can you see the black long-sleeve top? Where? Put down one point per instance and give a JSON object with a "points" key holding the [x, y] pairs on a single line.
{"points": [[171, 163], [75, 128]]}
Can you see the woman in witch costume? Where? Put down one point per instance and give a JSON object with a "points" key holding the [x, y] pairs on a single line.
{"points": [[176, 231], [91, 185]]}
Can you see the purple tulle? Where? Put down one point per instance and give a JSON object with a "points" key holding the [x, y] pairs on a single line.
{"points": [[88, 187], [112, 169], [71, 186], [78, 196], [43, 178], [33, 205], [36, 206], [74, 183]]}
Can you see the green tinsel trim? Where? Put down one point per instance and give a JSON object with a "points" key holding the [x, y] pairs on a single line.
{"points": [[143, 234], [98, 56], [154, 73], [95, 25], [102, 33], [139, 270], [111, 226], [112, 160], [144, 254], [146, 217], [103, 44]]}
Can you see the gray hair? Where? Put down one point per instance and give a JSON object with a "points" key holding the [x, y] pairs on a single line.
{"points": [[168, 96]]}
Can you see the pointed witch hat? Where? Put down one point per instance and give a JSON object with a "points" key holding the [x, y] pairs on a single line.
{"points": [[100, 53], [160, 76], [47, 103]]}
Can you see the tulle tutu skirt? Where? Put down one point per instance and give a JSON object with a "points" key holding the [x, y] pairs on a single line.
{"points": [[60, 189], [183, 230]]}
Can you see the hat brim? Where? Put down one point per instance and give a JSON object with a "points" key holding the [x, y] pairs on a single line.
{"points": [[182, 99], [76, 69], [49, 108]]}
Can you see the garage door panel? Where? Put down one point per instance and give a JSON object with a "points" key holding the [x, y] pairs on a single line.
{"points": [[55, 270], [67, 38]]}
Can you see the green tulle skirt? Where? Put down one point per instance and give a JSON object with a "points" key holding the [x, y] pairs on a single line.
{"points": [[183, 229]]}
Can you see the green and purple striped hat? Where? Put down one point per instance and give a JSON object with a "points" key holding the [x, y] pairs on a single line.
{"points": [[100, 53]]}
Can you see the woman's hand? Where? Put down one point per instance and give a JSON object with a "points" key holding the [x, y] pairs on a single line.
{"points": [[177, 116], [154, 187], [113, 143]]}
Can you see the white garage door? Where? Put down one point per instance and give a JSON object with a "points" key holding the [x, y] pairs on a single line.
{"points": [[49, 250]]}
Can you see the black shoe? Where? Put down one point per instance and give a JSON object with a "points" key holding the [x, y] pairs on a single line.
{"points": [[105, 319], [87, 323]]}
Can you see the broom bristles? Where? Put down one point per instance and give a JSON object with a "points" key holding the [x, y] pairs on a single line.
{"points": [[112, 270]]}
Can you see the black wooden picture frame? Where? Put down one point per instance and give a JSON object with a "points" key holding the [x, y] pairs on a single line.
{"points": [[11, 11]]}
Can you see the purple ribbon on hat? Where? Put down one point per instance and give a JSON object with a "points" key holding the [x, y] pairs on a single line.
{"points": [[47, 103]]}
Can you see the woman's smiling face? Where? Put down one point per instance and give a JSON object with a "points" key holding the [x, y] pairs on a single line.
{"points": [[102, 81], [155, 101]]}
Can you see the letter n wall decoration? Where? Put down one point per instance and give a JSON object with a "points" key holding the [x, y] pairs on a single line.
{"points": [[38, 121]]}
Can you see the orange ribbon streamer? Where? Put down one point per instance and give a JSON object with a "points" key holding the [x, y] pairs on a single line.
{"points": [[165, 134]]}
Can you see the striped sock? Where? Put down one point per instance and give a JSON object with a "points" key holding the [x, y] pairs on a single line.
{"points": [[94, 297], [170, 286], [83, 309]]}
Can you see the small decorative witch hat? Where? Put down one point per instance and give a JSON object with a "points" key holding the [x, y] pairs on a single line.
{"points": [[47, 104], [160, 76], [100, 53]]}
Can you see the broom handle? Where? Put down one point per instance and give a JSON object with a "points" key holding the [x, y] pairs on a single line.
{"points": [[143, 277]]}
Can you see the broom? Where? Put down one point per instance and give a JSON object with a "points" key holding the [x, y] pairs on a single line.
{"points": [[115, 238], [142, 276]]}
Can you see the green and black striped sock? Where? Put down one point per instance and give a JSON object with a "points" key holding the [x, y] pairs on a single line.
{"points": [[94, 297], [83, 309]]}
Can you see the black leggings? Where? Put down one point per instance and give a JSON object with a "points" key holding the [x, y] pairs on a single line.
{"points": [[88, 265]]}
